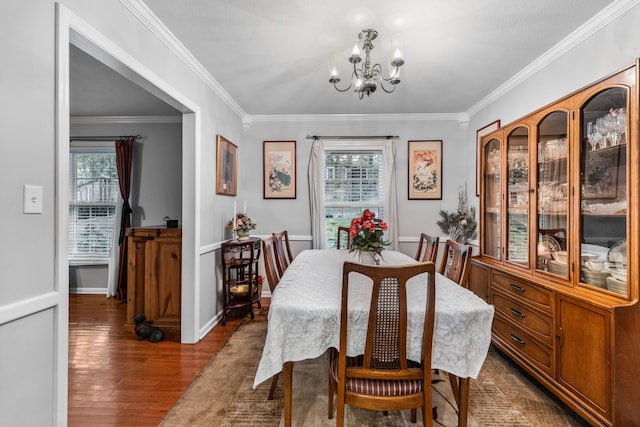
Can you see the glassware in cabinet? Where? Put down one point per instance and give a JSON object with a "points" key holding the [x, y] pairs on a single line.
{"points": [[518, 196], [603, 191], [552, 193], [491, 198]]}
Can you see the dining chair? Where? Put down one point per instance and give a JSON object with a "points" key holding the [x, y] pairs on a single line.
{"points": [[282, 259], [273, 277], [347, 240], [456, 262], [430, 244], [456, 265], [383, 378]]}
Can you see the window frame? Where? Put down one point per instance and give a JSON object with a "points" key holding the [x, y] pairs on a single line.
{"points": [[351, 146], [76, 259]]}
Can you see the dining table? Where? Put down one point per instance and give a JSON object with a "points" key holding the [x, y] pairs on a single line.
{"points": [[304, 321]]}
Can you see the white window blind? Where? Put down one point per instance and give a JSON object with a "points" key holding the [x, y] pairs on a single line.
{"points": [[93, 194], [353, 182]]}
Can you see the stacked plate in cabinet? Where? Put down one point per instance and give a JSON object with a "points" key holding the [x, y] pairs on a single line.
{"points": [[556, 267], [617, 286], [595, 278]]}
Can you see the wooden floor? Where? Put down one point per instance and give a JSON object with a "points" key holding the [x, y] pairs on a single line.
{"points": [[116, 380]]}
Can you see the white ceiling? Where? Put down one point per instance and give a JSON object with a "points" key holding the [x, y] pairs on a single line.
{"points": [[272, 57]]}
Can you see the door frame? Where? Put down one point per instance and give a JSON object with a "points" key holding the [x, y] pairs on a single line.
{"points": [[70, 29]]}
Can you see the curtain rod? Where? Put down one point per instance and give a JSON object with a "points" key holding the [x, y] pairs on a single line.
{"points": [[105, 138], [353, 137]]}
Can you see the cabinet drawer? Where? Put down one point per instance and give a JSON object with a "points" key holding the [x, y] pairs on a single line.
{"points": [[534, 322], [519, 341], [538, 297]]}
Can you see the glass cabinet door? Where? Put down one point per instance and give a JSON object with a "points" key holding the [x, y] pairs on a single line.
{"points": [[491, 198], [603, 184], [552, 199], [518, 196]]}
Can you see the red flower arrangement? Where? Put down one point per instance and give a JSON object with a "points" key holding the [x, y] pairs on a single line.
{"points": [[366, 233]]}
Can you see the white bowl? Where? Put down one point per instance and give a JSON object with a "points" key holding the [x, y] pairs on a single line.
{"points": [[586, 256], [560, 256]]}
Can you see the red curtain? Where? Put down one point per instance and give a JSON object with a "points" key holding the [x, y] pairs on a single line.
{"points": [[124, 154]]}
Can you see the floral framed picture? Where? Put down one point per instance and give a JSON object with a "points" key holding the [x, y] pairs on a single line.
{"points": [[279, 169], [226, 167], [425, 170], [479, 134]]}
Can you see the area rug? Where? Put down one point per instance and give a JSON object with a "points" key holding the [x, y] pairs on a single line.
{"points": [[222, 394]]}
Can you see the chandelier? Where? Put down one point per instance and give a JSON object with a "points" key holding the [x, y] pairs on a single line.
{"points": [[366, 77]]}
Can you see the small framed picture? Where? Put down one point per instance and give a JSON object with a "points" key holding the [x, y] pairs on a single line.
{"points": [[279, 169], [479, 134], [425, 170], [226, 167]]}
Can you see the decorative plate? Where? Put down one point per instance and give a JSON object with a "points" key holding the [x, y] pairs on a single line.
{"points": [[548, 242]]}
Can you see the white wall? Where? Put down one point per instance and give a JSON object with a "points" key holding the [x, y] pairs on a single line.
{"points": [[33, 301], [414, 216], [33, 290]]}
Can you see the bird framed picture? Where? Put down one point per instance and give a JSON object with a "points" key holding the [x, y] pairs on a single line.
{"points": [[279, 169], [425, 170]]}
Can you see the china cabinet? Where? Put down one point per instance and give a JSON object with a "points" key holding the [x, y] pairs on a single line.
{"points": [[154, 276], [560, 217]]}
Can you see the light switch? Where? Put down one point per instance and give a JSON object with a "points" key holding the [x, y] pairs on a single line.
{"points": [[32, 199]]}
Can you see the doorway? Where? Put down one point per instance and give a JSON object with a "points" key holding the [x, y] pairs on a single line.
{"points": [[73, 31]]}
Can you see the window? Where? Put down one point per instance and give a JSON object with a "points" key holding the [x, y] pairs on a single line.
{"points": [[93, 194], [353, 181]]}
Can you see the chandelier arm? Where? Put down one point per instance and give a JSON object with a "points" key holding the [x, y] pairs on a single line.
{"points": [[342, 90], [385, 89]]}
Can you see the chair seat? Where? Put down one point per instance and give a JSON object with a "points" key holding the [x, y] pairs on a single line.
{"points": [[373, 387]]}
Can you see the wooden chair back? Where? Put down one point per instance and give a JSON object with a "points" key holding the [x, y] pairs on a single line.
{"points": [[269, 257], [456, 262], [430, 244], [384, 363], [343, 238], [283, 259]]}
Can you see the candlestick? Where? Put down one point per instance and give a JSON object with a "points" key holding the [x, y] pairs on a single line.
{"points": [[234, 215]]}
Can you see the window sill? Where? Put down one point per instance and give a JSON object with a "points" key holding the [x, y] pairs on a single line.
{"points": [[88, 262]]}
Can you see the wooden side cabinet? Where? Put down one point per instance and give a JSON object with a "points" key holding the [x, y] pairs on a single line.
{"points": [[154, 274], [584, 352]]}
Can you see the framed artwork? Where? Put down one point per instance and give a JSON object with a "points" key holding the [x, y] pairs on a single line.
{"points": [[425, 170], [226, 167], [479, 134], [279, 169]]}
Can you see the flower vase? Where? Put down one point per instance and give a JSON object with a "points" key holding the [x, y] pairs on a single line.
{"points": [[242, 234], [366, 257]]}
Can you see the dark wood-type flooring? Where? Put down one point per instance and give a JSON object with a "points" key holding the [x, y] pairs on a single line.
{"points": [[116, 380]]}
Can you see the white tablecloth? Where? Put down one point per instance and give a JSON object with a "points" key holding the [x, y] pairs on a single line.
{"points": [[304, 317]]}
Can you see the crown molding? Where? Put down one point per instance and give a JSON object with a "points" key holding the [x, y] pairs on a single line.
{"points": [[142, 12], [606, 16], [124, 119], [592, 26], [351, 117]]}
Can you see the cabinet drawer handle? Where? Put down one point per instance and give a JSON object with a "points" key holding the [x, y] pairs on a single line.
{"points": [[516, 339], [517, 288], [517, 313]]}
